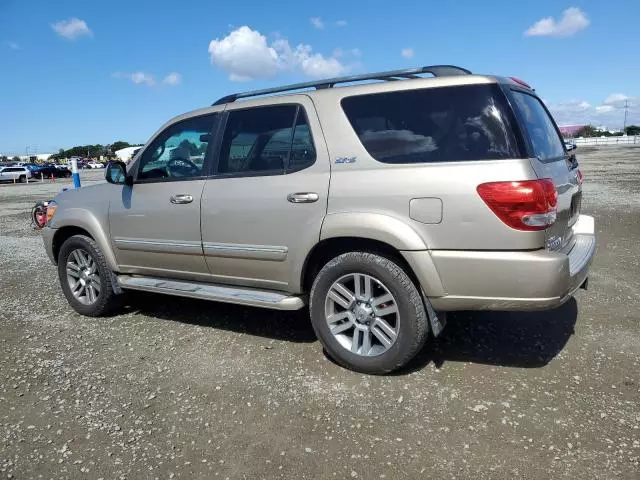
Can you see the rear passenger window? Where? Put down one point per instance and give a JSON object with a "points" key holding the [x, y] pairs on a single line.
{"points": [[269, 140], [546, 142], [470, 122], [303, 153]]}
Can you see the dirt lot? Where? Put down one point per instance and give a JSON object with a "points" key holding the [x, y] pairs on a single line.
{"points": [[175, 388]]}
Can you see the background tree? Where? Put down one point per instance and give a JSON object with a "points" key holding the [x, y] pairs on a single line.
{"points": [[588, 131], [632, 130], [119, 145]]}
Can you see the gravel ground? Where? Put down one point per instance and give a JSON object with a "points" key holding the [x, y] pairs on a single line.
{"points": [[175, 388]]}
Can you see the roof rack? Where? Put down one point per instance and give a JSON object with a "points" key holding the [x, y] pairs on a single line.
{"points": [[435, 70]]}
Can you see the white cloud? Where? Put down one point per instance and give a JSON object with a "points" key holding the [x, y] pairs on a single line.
{"points": [[245, 54], [137, 77], [604, 109], [141, 77], [317, 22], [340, 23], [573, 20], [338, 52], [618, 100], [610, 112], [72, 28], [13, 46], [173, 79], [315, 65], [407, 52]]}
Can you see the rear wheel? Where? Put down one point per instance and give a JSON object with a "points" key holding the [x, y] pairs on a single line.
{"points": [[85, 277], [22, 178], [367, 313]]}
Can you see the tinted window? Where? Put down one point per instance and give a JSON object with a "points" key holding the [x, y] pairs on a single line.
{"points": [[179, 151], [545, 139], [266, 139], [434, 125], [303, 152]]}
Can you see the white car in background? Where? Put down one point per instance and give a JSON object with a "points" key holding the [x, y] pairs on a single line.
{"points": [[15, 174], [95, 165]]}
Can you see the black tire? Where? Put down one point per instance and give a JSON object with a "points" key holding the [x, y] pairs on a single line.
{"points": [[107, 300], [413, 323], [22, 178]]}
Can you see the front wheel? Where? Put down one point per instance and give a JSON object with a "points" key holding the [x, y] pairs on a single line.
{"points": [[22, 178], [368, 313], [85, 277]]}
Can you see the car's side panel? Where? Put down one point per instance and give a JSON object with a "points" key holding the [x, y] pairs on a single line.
{"points": [[152, 235], [252, 234], [359, 183], [372, 225], [87, 208]]}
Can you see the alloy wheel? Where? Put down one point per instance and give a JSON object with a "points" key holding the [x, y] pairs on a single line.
{"points": [[83, 277], [362, 314]]}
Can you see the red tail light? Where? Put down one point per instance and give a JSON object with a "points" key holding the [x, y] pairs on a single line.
{"points": [[526, 205]]}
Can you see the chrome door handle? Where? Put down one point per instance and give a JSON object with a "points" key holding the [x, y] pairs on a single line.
{"points": [[181, 199], [306, 197]]}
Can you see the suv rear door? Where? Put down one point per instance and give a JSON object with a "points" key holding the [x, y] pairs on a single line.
{"points": [[263, 208], [550, 160]]}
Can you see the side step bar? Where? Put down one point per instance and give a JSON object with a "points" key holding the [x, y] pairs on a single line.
{"points": [[206, 291]]}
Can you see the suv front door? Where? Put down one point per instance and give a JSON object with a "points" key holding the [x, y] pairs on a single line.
{"points": [[155, 223], [263, 208]]}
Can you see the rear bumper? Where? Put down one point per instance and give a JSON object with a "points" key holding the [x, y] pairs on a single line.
{"points": [[536, 280]]}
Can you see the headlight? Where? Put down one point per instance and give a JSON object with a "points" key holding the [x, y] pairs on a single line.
{"points": [[51, 211]]}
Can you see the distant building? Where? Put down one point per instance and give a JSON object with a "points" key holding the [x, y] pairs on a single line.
{"points": [[36, 157], [570, 130], [127, 153]]}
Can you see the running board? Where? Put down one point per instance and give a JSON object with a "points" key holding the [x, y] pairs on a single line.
{"points": [[219, 293]]}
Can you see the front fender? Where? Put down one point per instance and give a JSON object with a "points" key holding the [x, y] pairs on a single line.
{"points": [[87, 220], [374, 226]]}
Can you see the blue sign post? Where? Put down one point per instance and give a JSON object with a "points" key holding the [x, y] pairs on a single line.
{"points": [[74, 173]]}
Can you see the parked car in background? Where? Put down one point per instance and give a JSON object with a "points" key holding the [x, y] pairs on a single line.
{"points": [[95, 165], [54, 171], [15, 173], [380, 205], [34, 168]]}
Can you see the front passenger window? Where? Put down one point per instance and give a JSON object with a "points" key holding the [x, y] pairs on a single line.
{"points": [[179, 152]]}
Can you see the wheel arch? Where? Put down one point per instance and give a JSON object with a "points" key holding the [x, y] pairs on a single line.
{"points": [[375, 233], [330, 248], [81, 222]]}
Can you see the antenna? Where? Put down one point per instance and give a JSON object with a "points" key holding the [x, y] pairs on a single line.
{"points": [[626, 114]]}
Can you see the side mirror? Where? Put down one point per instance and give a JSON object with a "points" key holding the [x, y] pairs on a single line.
{"points": [[117, 174]]}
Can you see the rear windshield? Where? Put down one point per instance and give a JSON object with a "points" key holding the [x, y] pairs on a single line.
{"points": [[470, 122], [545, 140]]}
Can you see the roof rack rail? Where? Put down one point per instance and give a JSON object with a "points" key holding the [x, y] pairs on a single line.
{"points": [[435, 70]]}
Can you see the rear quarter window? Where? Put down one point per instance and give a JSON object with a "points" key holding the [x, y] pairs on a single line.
{"points": [[462, 123], [539, 126]]}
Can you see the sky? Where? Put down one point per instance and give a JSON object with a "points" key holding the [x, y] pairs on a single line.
{"points": [[80, 72]]}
